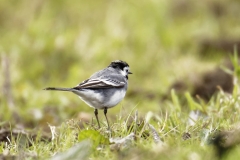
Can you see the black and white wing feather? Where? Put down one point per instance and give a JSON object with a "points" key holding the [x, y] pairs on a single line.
{"points": [[102, 82]]}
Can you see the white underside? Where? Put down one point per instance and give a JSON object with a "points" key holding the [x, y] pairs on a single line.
{"points": [[96, 100], [115, 99]]}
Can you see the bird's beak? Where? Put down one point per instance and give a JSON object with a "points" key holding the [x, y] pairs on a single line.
{"points": [[130, 73]]}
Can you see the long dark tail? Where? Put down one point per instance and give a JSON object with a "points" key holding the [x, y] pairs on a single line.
{"points": [[58, 89]]}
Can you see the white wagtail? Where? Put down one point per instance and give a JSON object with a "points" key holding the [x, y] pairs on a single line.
{"points": [[104, 89]]}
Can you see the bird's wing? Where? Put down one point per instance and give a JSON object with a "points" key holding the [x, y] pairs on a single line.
{"points": [[113, 81]]}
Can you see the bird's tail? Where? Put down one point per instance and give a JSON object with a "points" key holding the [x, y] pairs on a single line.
{"points": [[58, 89]]}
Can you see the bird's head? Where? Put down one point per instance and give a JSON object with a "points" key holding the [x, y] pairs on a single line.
{"points": [[122, 66]]}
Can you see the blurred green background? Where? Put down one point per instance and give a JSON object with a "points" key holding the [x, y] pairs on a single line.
{"points": [[61, 43]]}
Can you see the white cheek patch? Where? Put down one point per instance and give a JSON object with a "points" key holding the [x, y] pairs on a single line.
{"points": [[123, 73], [125, 70]]}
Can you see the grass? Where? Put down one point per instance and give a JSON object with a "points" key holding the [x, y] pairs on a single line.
{"points": [[48, 43], [170, 128]]}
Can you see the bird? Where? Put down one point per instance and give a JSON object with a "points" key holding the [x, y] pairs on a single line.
{"points": [[104, 89]]}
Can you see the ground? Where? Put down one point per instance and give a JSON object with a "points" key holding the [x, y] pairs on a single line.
{"points": [[182, 101]]}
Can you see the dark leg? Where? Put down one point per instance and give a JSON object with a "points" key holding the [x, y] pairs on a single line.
{"points": [[96, 114], [105, 113]]}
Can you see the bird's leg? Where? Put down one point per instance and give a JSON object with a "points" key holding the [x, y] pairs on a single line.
{"points": [[96, 114], [105, 113]]}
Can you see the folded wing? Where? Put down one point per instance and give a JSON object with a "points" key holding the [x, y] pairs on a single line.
{"points": [[102, 82]]}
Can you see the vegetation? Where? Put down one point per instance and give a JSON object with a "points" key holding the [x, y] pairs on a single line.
{"points": [[61, 43]]}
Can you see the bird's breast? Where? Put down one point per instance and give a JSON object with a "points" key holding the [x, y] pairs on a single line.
{"points": [[115, 98]]}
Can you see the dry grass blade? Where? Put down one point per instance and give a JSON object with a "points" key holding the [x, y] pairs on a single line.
{"points": [[7, 91], [155, 134], [79, 151], [122, 143]]}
